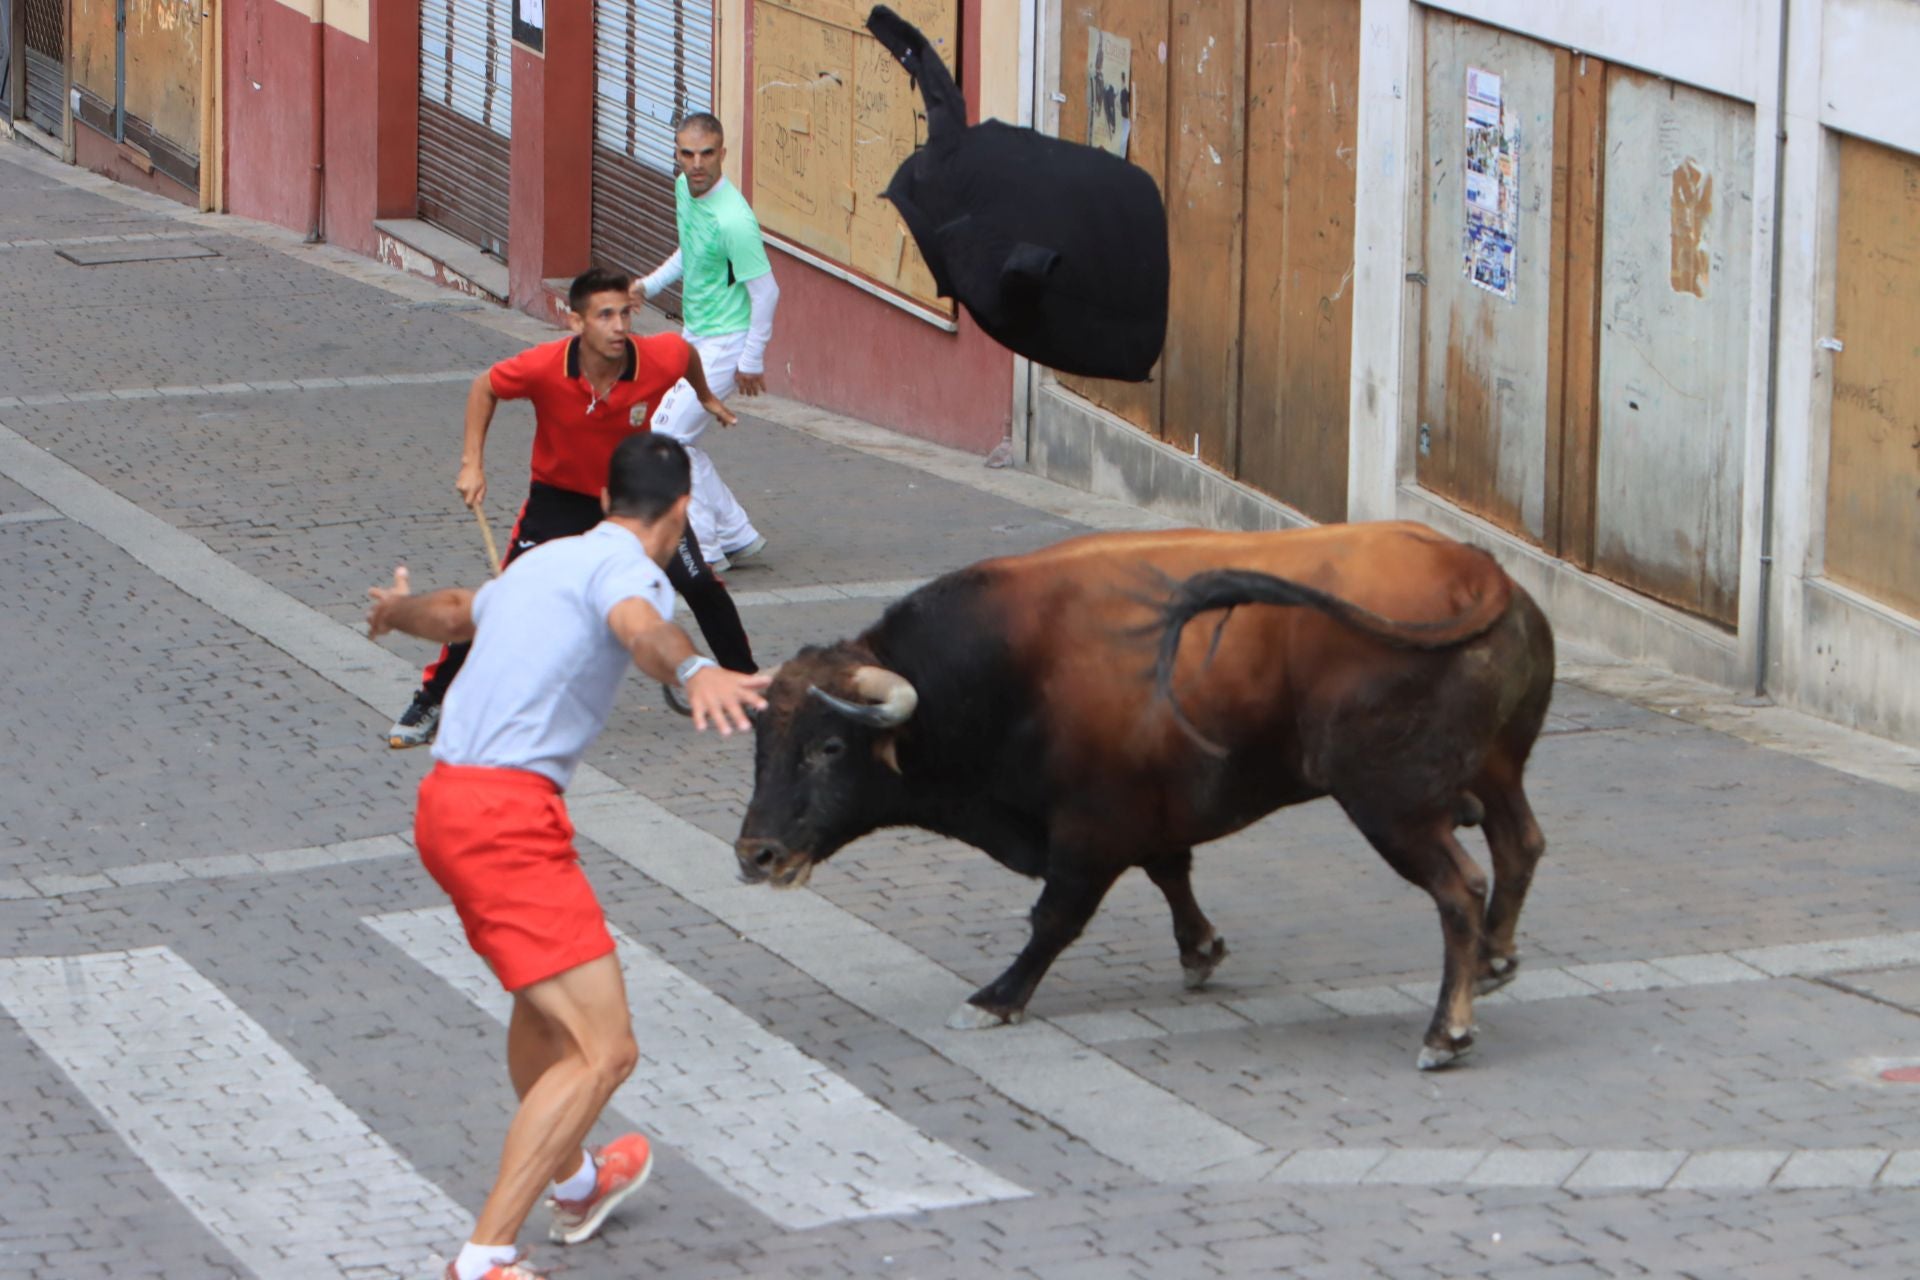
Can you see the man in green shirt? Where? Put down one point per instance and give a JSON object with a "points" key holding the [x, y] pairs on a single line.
{"points": [[727, 300]]}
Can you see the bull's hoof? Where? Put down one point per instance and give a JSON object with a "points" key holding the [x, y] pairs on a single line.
{"points": [[1201, 966], [1434, 1057], [971, 1017], [1499, 971]]}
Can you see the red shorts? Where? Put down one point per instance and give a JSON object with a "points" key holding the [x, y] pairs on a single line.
{"points": [[501, 845]]}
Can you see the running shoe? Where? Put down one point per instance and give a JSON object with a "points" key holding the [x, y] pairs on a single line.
{"points": [[749, 551], [518, 1269], [416, 725], [622, 1168]]}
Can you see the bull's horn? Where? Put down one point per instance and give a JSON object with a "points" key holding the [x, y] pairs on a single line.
{"points": [[889, 698]]}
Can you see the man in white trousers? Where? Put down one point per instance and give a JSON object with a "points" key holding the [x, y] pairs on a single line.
{"points": [[728, 296]]}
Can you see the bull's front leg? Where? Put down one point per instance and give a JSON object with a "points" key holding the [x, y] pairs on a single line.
{"points": [[1066, 904]]}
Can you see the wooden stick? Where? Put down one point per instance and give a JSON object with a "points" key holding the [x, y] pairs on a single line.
{"points": [[486, 531]]}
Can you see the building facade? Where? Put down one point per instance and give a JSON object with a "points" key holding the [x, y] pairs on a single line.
{"points": [[1624, 292]]}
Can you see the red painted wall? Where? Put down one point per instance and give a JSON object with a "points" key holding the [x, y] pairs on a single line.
{"points": [[552, 199], [96, 151], [351, 172], [838, 346], [844, 349], [371, 120], [268, 107]]}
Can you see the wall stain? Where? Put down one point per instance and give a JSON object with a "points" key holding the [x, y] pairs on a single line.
{"points": [[1692, 205]]}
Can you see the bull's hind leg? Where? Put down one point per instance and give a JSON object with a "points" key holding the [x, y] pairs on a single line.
{"points": [[1065, 906], [1425, 853], [1516, 843], [1201, 949]]}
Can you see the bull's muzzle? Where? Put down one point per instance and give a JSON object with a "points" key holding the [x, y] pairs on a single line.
{"points": [[769, 861]]}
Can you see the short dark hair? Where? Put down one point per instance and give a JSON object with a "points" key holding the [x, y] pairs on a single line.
{"points": [[648, 474], [701, 120], [595, 280]]}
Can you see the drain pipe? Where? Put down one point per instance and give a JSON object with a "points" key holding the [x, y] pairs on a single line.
{"points": [[1764, 632], [317, 181]]}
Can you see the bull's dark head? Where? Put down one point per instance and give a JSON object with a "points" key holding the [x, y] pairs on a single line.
{"points": [[826, 768]]}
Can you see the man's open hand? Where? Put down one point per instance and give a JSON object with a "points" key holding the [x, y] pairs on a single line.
{"points": [[725, 699], [385, 599]]}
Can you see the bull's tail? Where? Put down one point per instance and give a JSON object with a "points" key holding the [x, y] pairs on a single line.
{"points": [[1230, 588]]}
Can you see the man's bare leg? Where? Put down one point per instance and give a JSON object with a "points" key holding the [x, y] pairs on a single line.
{"points": [[588, 1005], [533, 1045]]}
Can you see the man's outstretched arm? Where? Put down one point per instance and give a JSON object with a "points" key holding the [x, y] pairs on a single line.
{"points": [[720, 699], [445, 615]]}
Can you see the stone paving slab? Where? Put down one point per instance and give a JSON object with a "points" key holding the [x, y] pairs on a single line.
{"points": [[1657, 827]]}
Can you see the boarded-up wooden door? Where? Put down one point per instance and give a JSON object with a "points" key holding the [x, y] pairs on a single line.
{"points": [[1873, 474], [1143, 24], [1675, 292], [137, 66], [1206, 190], [1302, 119], [1484, 344]]}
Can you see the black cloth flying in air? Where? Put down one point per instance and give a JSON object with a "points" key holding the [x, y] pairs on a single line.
{"points": [[1058, 250]]}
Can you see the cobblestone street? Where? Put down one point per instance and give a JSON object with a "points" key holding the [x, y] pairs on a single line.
{"points": [[242, 1035]]}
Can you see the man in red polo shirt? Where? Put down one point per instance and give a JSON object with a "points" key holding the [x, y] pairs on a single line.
{"points": [[589, 392]]}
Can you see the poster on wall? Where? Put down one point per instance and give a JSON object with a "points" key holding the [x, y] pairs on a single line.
{"points": [[530, 24], [1109, 91], [1491, 186]]}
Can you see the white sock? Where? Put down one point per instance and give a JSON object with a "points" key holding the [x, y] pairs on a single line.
{"points": [[476, 1260], [581, 1184]]}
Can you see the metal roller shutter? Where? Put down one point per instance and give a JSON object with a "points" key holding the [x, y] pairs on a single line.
{"points": [[45, 63], [653, 66], [466, 114]]}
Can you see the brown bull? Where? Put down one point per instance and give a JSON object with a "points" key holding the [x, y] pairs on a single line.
{"points": [[1015, 706]]}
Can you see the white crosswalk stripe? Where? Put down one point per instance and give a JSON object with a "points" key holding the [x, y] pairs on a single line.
{"points": [[1115, 1111], [759, 1116], [275, 1166]]}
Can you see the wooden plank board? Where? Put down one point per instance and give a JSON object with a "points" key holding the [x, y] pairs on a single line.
{"points": [[1206, 195], [889, 120], [163, 69], [1675, 298], [1302, 118], [93, 64], [1585, 141], [1873, 471], [1143, 23], [833, 117], [802, 129], [1484, 357]]}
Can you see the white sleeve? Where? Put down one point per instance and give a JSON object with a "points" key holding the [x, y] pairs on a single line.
{"points": [[764, 293], [667, 273]]}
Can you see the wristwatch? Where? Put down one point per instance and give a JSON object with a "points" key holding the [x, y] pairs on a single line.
{"points": [[690, 666]]}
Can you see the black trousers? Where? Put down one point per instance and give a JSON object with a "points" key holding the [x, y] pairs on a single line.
{"points": [[552, 513]]}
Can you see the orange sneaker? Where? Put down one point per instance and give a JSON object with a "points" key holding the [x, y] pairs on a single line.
{"points": [[518, 1269], [623, 1166]]}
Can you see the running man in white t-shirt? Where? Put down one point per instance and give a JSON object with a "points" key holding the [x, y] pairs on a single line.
{"points": [[552, 638], [727, 300]]}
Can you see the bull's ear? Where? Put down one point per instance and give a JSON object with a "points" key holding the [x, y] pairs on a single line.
{"points": [[887, 751]]}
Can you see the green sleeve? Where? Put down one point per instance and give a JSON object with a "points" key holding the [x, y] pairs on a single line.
{"points": [[746, 250]]}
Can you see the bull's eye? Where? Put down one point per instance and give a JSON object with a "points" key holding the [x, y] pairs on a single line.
{"points": [[831, 748]]}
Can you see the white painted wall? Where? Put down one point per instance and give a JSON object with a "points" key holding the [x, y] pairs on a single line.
{"points": [[1722, 45], [1869, 80]]}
